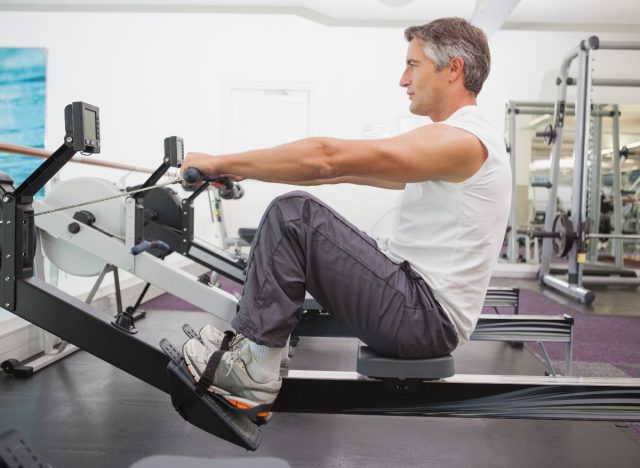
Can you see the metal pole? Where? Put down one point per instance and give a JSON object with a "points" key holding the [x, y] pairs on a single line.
{"points": [[624, 237], [559, 112], [520, 104], [580, 157], [619, 45], [618, 252], [513, 241], [576, 292], [616, 82], [596, 167], [39, 153]]}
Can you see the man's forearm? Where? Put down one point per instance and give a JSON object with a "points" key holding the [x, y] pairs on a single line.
{"points": [[351, 180], [295, 162]]}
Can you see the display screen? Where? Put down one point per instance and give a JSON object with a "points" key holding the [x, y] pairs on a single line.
{"points": [[89, 124], [179, 149]]}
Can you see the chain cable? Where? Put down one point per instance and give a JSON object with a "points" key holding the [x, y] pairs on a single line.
{"points": [[124, 194]]}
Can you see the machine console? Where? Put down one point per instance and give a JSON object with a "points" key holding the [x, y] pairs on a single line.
{"points": [[174, 151], [82, 125]]}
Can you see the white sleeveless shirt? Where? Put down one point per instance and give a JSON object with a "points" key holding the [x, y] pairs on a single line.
{"points": [[452, 233]]}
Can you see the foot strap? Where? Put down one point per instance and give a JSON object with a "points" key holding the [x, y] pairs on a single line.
{"points": [[206, 379]]}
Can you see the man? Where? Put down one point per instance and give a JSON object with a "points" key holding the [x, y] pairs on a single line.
{"points": [[420, 298]]}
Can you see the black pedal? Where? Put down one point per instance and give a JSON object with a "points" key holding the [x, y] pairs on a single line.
{"points": [[15, 453], [190, 332], [206, 411]]}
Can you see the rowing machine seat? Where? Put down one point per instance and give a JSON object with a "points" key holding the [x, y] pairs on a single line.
{"points": [[373, 364], [247, 234]]}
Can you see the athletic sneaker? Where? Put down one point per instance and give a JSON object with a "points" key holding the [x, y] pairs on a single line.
{"points": [[212, 338], [251, 394]]}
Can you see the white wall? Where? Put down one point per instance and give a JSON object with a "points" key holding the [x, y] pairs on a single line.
{"points": [[160, 74], [526, 63]]}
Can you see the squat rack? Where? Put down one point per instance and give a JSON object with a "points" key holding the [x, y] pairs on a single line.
{"points": [[573, 286], [599, 111]]}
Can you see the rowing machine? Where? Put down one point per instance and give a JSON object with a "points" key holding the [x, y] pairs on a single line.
{"points": [[393, 386]]}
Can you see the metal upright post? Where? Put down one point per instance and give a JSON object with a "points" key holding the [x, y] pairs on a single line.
{"points": [[596, 177], [512, 244], [580, 157], [618, 251], [559, 114], [572, 287]]}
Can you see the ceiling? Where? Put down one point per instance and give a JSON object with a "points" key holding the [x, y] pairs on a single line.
{"points": [[564, 15]]}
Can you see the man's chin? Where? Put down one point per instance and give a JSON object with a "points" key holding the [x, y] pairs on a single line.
{"points": [[415, 110]]}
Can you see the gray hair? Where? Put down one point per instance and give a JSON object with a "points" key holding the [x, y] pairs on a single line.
{"points": [[447, 38]]}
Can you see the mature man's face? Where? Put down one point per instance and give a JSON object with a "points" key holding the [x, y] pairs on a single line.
{"points": [[423, 82]]}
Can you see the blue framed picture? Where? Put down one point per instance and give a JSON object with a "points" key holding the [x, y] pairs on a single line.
{"points": [[22, 107]]}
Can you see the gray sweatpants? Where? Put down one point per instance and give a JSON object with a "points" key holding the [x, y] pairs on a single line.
{"points": [[303, 245]]}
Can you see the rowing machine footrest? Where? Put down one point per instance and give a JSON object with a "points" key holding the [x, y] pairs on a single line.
{"points": [[15, 452], [372, 364], [204, 411]]}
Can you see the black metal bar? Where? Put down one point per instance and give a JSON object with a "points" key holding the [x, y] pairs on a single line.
{"points": [[44, 173], [466, 399], [152, 180], [8, 249], [221, 264], [141, 297], [116, 279], [90, 329], [341, 396], [197, 192]]}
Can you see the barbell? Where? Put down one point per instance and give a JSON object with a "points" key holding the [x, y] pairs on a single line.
{"points": [[564, 235]]}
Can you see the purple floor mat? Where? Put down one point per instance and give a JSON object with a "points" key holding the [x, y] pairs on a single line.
{"points": [[597, 338]]}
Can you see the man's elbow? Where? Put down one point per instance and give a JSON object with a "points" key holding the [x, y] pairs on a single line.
{"points": [[324, 159]]}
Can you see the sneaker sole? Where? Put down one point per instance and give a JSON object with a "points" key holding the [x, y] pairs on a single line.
{"points": [[258, 413]]}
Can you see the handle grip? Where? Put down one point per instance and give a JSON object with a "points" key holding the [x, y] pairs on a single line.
{"points": [[193, 176]]}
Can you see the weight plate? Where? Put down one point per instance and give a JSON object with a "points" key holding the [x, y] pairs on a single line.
{"points": [[565, 235]]}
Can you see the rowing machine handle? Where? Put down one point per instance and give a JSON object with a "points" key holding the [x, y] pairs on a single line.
{"points": [[193, 176], [231, 191]]}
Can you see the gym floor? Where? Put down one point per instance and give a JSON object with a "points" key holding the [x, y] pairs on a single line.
{"points": [[82, 412]]}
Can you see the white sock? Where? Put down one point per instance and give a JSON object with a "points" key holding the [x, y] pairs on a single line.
{"points": [[266, 361]]}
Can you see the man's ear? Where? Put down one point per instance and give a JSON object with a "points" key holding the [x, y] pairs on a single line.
{"points": [[456, 69]]}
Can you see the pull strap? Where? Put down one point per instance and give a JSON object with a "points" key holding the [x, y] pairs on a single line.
{"points": [[206, 379]]}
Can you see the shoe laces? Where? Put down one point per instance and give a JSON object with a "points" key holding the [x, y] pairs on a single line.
{"points": [[237, 340], [232, 357]]}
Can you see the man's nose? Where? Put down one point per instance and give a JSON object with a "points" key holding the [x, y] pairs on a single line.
{"points": [[404, 81]]}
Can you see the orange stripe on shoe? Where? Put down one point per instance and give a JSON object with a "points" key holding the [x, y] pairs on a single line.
{"points": [[239, 404]]}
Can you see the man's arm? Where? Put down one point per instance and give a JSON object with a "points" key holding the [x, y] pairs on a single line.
{"points": [[432, 152], [351, 180]]}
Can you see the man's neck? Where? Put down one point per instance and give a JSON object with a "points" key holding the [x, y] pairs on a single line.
{"points": [[452, 104]]}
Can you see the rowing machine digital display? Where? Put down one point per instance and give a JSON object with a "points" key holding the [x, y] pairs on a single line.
{"points": [[82, 125], [174, 151]]}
